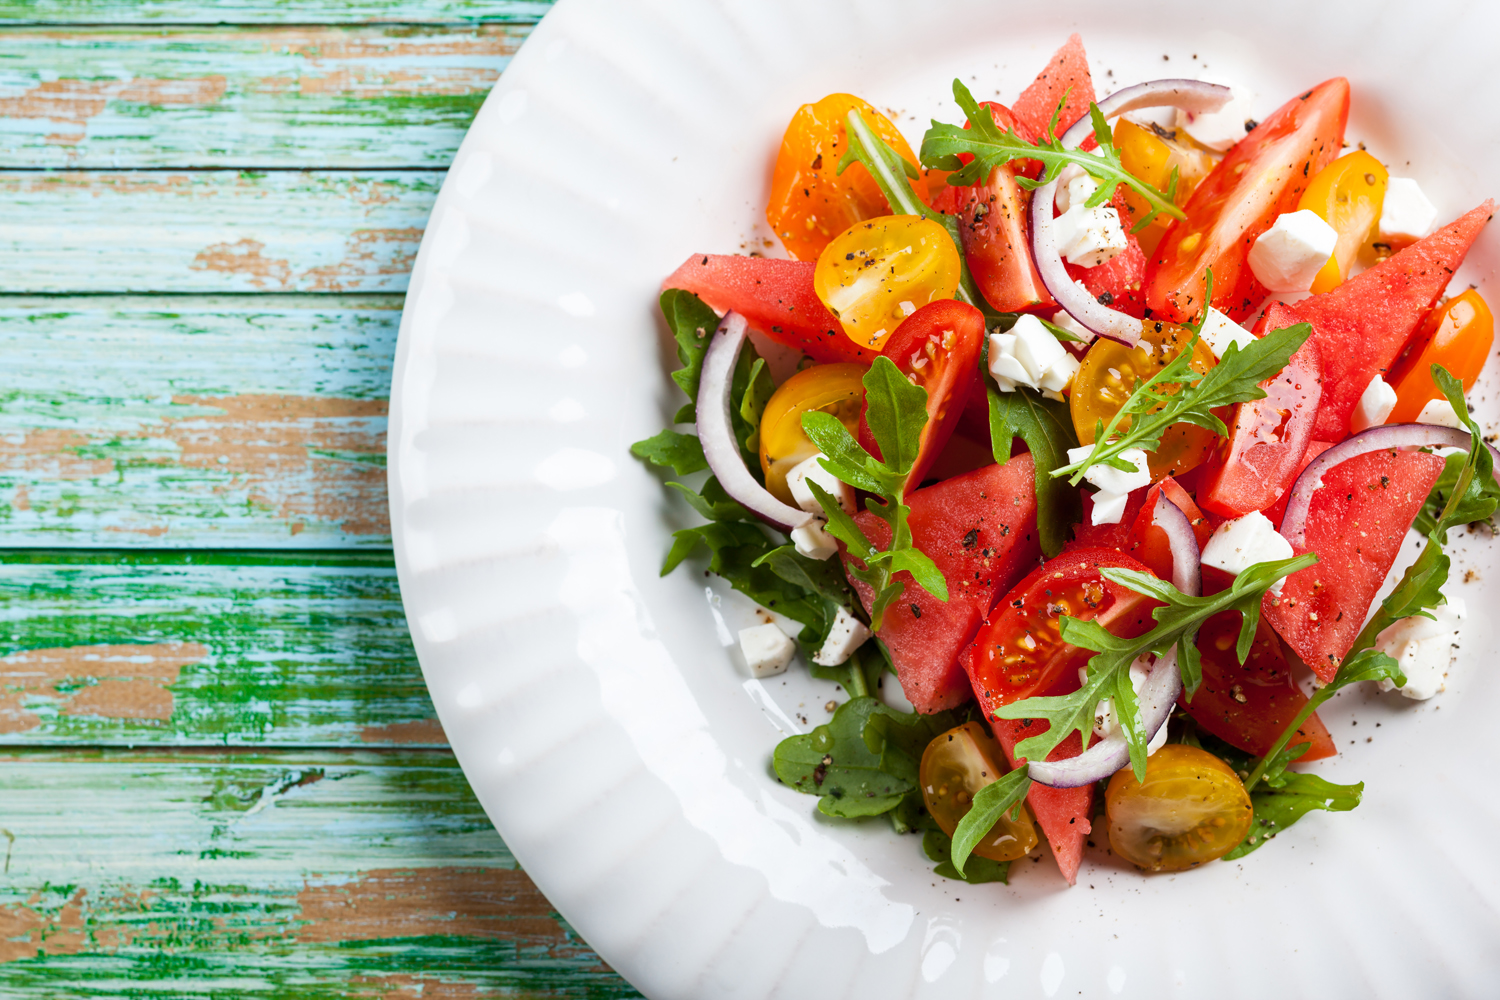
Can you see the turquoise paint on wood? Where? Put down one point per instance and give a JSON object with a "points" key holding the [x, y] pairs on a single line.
{"points": [[88, 12]]}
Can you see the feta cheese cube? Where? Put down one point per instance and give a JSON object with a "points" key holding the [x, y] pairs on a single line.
{"points": [[1289, 255], [1004, 365], [1440, 412], [1223, 128], [1029, 355], [847, 634], [1035, 348], [1424, 648], [813, 540], [1237, 545], [1108, 508], [1059, 375], [1374, 406], [1088, 237], [1065, 319], [1071, 179], [1111, 480], [1406, 215], [812, 469], [1219, 331], [767, 649], [1105, 722]]}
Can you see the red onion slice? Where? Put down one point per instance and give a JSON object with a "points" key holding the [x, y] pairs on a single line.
{"points": [[716, 430], [1187, 574], [1382, 438], [1190, 95]]}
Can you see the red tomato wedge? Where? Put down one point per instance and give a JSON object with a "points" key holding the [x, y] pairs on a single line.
{"points": [[1248, 705], [776, 296], [1088, 535], [1277, 510], [1262, 177], [1363, 325], [1356, 524], [1067, 73], [937, 348], [980, 529], [1257, 463], [1150, 544]]}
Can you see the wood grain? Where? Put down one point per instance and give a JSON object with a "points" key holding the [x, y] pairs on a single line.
{"points": [[88, 12], [303, 96], [312, 874], [207, 648], [255, 421], [212, 231]]}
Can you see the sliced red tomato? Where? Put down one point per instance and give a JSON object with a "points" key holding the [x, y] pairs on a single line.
{"points": [[1277, 510], [1067, 73], [1356, 524], [937, 348], [1088, 535], [1261, 177], [1150, 544], [980, 530], [777, 298], [1254, 466], [1248, 705], [1362, 326]]}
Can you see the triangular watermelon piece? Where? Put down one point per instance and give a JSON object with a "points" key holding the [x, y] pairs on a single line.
{"points": [[980, 530], [1363, 325], [1063, 813], [1069, 68]]}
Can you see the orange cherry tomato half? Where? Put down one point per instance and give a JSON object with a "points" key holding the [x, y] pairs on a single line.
{"points": [[955, 766], [1348, 194], [1458, 337], [1191, 808], [876, 273], [835, 389], [1151, 153], [811, 202]]}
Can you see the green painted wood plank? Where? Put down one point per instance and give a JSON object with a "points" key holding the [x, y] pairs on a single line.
{"points": [[252, 420], [13, 12], [212, 231], [296, 875], [208, 649], [305, 96]]}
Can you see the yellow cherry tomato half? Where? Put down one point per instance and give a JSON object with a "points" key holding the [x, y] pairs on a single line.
{"points": [[834, 389], [1151, 152], [1458, 337], [955, 766], [1191, 808], [1107, 377], [878, 272], [1348, 194]]}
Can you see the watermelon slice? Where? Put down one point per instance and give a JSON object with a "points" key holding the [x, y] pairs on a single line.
{"points": [[1069, 68], [1118, 283], [1063, 813], [980, 529]]}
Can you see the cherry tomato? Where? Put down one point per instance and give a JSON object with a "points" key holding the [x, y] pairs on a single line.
{"points": [[1261, 178], [811, 202], [877, 273], [1151, 152], [1458, 337], [834, 389], [955, 766], [1107, 378], [1348, 194], [937, 349], [1150, 544], [1190, 809]]}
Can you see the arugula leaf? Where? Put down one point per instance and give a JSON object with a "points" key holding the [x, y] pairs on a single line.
{"points": [[692, 323], [990, 803], [713, 502], [734, 547], [682, 452], [944, 146], [938, 847], [1292, 797], [1109, 671]]}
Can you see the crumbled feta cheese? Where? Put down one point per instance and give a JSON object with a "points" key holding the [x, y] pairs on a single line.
{"points": [[847, 634], [1114, 485], [1088, 237], [813, 540], [1065, 320], [1289, 255], [1074, 187], [1406, 215], [767, 649], [1424, 648], [812, 469], [1108, 508], [1105, 722], [1223, 128], [1219, 331], [1029, 355], [1237, 545], [1375, 405], [1440, 412]]}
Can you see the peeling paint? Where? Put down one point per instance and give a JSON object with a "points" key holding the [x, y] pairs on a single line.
{"points": [[111, 681]]}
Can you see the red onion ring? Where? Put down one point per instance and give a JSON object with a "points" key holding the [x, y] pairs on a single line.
{"points": [[1382, 438], [1162, 685], [716, 430], [1190, 95]]}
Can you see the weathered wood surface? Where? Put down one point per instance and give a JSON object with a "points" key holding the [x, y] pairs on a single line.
{"points": [[250, 421], [314, 874], [296, 96], [212, 231], [207, 648], [88, 12]]}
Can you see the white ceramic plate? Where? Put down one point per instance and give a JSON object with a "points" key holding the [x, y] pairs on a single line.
{"points": [[599, 710]]}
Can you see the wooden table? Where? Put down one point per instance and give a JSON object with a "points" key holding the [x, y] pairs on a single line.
{"points": [[223, 776]]}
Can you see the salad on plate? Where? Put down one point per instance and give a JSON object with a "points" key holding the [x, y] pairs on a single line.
{"points": [[1107, 422]]}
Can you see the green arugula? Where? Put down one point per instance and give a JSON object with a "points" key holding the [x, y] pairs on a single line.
{"points": [[692, 323], [896, 411], [1177, 620], [938, 847], [1047, 429], [990, 803], [944, 145], [758, 389], [681, 452], [1286, 797]]}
